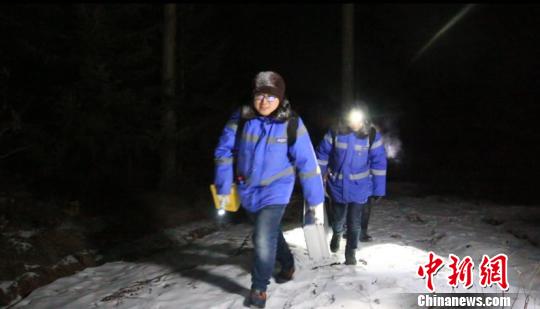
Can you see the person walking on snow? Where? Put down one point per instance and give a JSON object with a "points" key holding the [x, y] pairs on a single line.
{"points": [[258, 137], [355, 171]]}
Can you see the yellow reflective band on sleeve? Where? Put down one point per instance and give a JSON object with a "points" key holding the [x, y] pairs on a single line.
{"points": [[223, 161], [322, 162], [355, 176], [328, 138], [232, 124], [308, 175], [378, 172], [285, 172], [359, 175], [377, 144]]}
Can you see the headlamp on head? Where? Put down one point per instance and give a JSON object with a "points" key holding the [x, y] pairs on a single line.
{"points": [[356, 116], [221, 212]]}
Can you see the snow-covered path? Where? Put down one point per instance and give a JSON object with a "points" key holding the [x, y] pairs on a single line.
{"points": [[213, 272]]}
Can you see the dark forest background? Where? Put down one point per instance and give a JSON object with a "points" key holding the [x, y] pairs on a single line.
{"points": [[80, 91]]}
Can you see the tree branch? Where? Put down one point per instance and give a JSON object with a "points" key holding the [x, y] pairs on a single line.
{"points": [[13, 152]]}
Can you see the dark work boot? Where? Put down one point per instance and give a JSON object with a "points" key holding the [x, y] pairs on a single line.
{"points": [[257, 299], [365, 237], [366, 212], [285, 275], [334, 243], [350, 257]]}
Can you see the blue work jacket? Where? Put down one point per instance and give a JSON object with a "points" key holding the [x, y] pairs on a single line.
{"points": [[355, 170], [266, 164]]}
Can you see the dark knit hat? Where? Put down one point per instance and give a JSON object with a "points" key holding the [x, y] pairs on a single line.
{"points": [[271, 83]]}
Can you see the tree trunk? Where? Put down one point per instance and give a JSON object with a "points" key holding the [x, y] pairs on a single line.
{"points": [[168, 120], [183, 12], [347, 77]]}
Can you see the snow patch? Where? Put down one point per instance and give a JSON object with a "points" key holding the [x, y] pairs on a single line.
{"points": [[5, 285], [88, 252], [30, 267], [29, 274], [214, 272], [69, 225], [20, 246], [70, 259], [27, 234], [21, 234]]}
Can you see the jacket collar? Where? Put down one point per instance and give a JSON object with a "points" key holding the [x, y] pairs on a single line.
{"points": [[281, 114], [343, 129]]}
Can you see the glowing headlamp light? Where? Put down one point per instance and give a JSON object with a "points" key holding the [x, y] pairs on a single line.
{"points": [[356, 116], [221, 212]]}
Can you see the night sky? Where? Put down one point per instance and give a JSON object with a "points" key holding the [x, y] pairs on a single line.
{"points": [[465, 111]]}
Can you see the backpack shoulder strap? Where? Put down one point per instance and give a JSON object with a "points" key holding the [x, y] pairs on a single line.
{"points": [[372, 134], [292, 129], [334, 129], [239, 131], [237, 139], [244, 115]]}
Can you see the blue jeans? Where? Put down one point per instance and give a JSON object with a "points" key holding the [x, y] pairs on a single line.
{"points": [[352, 213], [269, 245]]}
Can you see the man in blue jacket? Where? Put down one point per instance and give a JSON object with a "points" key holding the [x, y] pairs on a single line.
{"points": [[356, 171], [266, 162]]}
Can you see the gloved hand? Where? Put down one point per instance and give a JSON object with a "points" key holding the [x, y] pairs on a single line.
{"points": [[223, 201], [375, 199], [318, 213]]}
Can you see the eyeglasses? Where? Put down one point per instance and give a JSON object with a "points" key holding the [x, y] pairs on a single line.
{"points": [[269, 98]]}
